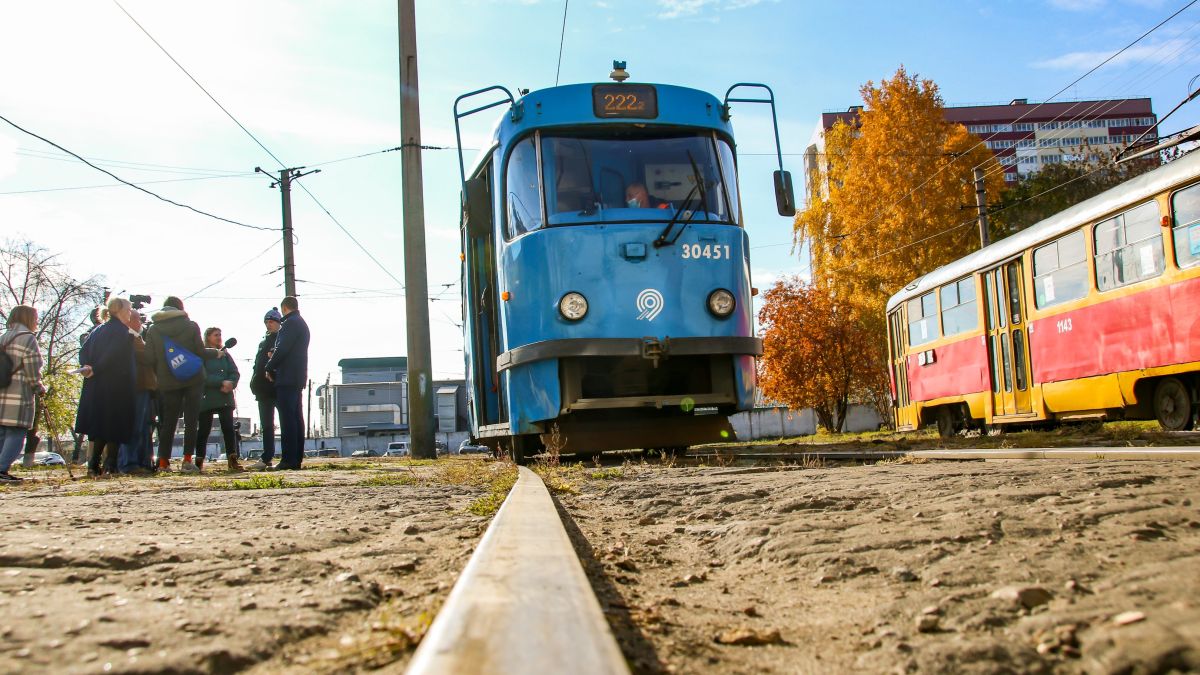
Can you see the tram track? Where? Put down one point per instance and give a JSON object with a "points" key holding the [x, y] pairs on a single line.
{"points": [[523, 603]]}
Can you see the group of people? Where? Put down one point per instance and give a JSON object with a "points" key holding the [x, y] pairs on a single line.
{"points": [[131, 372]]}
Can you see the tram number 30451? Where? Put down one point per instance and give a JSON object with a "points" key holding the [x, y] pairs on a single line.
{"points": [[709, 251]]}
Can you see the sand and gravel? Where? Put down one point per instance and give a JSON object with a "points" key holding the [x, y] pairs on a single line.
{"points": [[978, 567], [335, 571], [971, 567]]}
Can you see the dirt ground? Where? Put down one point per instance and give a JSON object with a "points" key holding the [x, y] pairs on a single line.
{"points": [[333, 570], [977, 567]]}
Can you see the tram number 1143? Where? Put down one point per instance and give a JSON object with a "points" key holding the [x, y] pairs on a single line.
{"points": [[709, 251]]}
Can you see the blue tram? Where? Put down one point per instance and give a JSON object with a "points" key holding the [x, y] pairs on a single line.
{"points": [[606, 273]]}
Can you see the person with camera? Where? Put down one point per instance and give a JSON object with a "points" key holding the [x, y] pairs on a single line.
{"points": [[288, 369], [264, 390], [24, 384], [106, 401], [220, 379], [175, 348]]}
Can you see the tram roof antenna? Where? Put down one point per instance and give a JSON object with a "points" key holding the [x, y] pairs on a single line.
{"points": [[618, 73]]}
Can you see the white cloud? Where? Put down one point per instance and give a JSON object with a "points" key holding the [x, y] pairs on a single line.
{"points": [[678, 9], [1165, 52]]}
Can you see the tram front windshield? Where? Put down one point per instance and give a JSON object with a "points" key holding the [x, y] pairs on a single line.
{"points": [[614, 178]]}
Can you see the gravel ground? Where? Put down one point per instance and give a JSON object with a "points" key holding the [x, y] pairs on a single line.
{"points": [[976, 567], [334, 571]]}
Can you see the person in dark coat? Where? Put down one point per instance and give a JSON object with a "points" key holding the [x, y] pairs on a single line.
{"points": [[264, 390], [137, 456], [288, 369], [106, 404], [177, 396], [220, 379]]}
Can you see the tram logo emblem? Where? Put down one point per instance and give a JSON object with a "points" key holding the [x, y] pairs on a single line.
{"points": [[650, 304]]}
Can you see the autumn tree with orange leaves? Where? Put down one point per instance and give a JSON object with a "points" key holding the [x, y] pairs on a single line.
{"points": [[885, 205], [813, 346]]}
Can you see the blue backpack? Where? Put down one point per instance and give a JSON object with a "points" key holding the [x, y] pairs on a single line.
{"points": [[183, 364]]}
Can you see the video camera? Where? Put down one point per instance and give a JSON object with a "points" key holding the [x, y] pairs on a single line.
{"points": [[139, 301]]}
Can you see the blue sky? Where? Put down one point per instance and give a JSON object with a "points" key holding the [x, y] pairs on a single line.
{"points": [[317, 81]]}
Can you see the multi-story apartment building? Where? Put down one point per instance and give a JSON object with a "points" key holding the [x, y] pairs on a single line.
{"points": [[1026, 137]]}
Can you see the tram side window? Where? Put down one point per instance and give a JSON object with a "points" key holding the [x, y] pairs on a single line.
{"points": [[1185, 212], [1129, 247], [1059, 271], [922, 320], [959, 312], [521, 190]]}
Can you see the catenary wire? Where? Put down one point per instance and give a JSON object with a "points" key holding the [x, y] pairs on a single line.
{"points": [[239, 268], [911, 192], [562, 38], [282, 165], [108, 185], [132, 185]]}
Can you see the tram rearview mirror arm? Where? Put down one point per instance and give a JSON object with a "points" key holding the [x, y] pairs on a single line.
{"points": [[785, 196]]}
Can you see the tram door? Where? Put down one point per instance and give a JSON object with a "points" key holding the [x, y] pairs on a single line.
{"points": [[905, 412], [1007, 340]]}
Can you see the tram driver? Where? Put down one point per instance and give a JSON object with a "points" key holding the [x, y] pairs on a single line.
{"points": [[637, 197]]}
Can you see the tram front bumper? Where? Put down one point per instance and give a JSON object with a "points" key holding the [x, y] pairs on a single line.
{"points": [[648, 348]]}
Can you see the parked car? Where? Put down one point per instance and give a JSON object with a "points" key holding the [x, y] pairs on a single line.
{"points": [[48, 459], [365, 453], [397, 449], [468, 448], [329, 452]]}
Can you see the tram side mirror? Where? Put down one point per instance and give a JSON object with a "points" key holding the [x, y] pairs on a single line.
{"points": [[785, 196], [479, 207]]}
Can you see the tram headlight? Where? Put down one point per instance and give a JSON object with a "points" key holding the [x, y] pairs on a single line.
{"points": [[573, 306], [721, 303]]}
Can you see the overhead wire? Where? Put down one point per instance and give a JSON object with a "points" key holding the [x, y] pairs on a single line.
{"points": [[260, 144], [133, 185], [562, 38], [239, 268], [1076, 114], [108, 185], [1027, 113]]}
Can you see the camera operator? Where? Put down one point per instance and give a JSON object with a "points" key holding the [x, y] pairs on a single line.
{"points": [[264, 389], [221, 379]]}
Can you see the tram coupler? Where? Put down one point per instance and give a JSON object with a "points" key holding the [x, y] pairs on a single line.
{"points": [[653, 349]]}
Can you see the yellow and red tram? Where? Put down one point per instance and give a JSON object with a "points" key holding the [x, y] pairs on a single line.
{"points": [[1093, 313]]}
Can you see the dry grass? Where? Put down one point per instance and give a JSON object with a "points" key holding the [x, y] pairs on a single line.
{"points": [[905, 459]]}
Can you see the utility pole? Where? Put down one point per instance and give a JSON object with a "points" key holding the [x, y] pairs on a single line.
{"points": [[416, 286], [308, 417], [286, 176], [981, 204]]}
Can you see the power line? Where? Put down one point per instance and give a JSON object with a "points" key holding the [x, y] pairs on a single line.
{"points": [[258, 142], [562, 38], [197, 83], [107, 185], [125, 164], [132, 185], [239, 268], [910, 193]]}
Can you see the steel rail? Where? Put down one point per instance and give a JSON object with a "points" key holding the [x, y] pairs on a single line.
{"points": [[1099, 452], [523, 603]]}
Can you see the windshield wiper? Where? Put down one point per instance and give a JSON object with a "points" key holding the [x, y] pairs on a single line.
{"points": [[661, 241], [697, 186]]}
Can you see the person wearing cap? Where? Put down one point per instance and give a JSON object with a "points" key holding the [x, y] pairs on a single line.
{"points": [[264, 389], [288, 369]]}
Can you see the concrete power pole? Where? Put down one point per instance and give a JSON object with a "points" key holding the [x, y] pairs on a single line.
{"points": [[981, 204], [416, 286], [286, 176]]}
